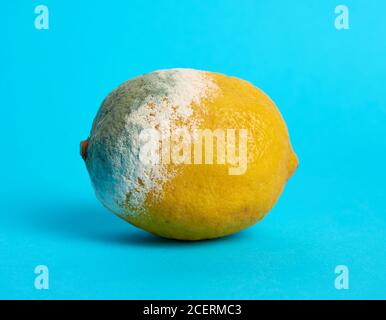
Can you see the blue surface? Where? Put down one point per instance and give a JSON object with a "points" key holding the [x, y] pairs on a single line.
{"points": [[328, 84]]}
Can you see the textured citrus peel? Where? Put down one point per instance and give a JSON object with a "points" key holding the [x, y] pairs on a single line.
{"points": [[187, 201]]}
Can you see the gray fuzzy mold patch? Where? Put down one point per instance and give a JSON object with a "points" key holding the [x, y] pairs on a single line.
{"points": [[160, 100]]}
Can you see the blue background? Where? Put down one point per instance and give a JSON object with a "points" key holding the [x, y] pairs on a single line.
{"points": [[329, 85]]}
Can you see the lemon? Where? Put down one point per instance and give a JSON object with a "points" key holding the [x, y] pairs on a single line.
{"points": [[189, 154]]}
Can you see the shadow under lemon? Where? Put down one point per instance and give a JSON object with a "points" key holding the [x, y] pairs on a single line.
{"points": [[89, 221]]}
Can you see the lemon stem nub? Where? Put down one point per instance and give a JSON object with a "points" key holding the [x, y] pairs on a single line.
{"points": [[83, 149]]}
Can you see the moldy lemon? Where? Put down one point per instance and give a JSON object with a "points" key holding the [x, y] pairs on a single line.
{"points": [[188, 154]]}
